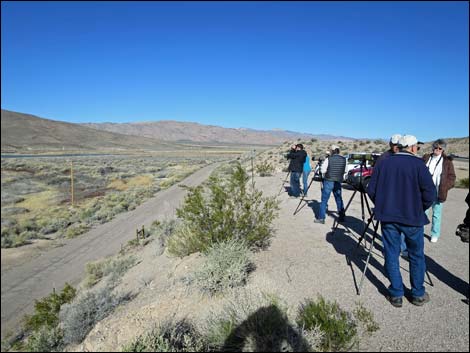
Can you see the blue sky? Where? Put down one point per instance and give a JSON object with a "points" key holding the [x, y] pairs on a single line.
{"points": [[355, 69]]}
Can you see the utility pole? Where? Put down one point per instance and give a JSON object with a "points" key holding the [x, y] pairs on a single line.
{"points": [[71, 179], [253, 170]]}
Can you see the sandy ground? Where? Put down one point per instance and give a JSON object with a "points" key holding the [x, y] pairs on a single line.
{"points": [[306, 259]]}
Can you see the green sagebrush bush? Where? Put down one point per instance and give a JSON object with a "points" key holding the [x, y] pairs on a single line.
{"points": [[95, 271], [226, 265], [265, 169], [226, 209], [338, 326], [46, 310], [463, 183], [45, 339]]}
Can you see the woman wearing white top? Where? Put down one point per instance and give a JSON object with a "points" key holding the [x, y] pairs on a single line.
{"points": [[442, 171]]}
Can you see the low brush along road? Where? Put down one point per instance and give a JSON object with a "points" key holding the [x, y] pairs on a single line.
{"points": [[36, 278]]}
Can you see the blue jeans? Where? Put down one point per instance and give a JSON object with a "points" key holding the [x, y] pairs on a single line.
{"points": [[403, 243], [305, 181], [295, 184], [328, 187], [414, 238], [436, 218]]}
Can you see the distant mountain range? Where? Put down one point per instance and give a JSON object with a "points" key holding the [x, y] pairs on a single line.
{"points": [[26, 132], [187, 131]]}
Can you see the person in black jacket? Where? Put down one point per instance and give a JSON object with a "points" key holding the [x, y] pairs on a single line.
{"points": [[297, 157]]}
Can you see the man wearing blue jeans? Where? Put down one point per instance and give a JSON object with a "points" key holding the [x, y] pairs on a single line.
{"points": [[402, 188], [332, 170]]}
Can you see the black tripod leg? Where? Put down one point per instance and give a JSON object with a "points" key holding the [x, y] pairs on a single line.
{"points": [[303, 196], [336, 223], [282, 186], [368, 257], [369, 221]]}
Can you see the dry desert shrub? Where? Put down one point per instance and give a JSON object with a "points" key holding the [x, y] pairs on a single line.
{"points": [[226, 266]]}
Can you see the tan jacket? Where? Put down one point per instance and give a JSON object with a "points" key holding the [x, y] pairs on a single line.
{"points": [[447, 176]]}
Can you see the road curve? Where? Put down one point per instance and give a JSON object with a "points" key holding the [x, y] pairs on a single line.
{"points": [[35, 279]]}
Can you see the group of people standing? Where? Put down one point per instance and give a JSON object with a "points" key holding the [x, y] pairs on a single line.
{"points": [[332, 170], [404, 188]]}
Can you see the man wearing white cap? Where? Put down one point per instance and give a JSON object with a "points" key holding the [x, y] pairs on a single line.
{"points": [[402, 188], [393, 143], [332, 169]]}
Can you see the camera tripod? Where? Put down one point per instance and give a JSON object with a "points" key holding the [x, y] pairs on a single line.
{"points": [[370, 220], [298, 208], [372, 242], [285, 180]]}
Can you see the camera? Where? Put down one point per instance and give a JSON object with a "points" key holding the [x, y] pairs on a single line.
{"points": [[371, 157]]}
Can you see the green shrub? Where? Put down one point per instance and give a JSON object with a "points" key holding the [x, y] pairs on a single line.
{"points": [[463, 183], [95, 271], [180, 336], [76, 230], [46, 310], [264, 169], [45, 339], [80, 316], [225, 211], [365, 318], [338, 326], [226, 266]]}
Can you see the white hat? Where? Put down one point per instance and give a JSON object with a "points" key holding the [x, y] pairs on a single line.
{"points": [[334, 147], [408, 140], [394, 139]]}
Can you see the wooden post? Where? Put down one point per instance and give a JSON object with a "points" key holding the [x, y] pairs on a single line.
{"points": [[71, 181], [253, 170]]}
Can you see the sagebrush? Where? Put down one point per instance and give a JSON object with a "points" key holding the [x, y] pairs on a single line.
{"points": [[226, 266], [226, 209]]}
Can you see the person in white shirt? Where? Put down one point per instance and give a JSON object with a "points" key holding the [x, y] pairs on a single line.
{"points": [[442, 171]]}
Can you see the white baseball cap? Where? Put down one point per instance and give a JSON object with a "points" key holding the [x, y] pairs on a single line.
{"points": [[394, 139], [408, 140]]}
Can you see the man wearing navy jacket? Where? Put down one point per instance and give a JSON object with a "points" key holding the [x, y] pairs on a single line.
{"points": [[401, 188]]}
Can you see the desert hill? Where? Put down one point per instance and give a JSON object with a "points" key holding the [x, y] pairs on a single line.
{"points": [[187, 131], [25, 132]]}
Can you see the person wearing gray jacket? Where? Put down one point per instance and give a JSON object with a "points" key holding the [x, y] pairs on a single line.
{"points": [[332, 169]]}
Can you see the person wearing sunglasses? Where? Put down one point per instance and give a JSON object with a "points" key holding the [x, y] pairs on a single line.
{"points": [[442, 170]]}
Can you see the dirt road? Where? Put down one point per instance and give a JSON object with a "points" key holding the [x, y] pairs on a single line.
{"points": [[34, 279]]}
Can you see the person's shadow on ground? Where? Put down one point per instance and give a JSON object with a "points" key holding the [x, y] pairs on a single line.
{"points": [[446, 277], [265, 330]]}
